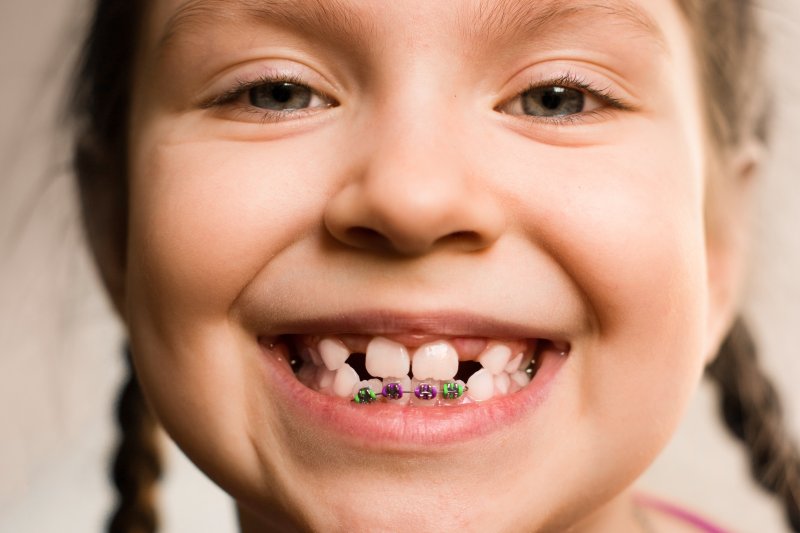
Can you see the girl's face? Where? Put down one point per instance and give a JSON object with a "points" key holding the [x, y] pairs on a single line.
{"points": [[513, 177]]}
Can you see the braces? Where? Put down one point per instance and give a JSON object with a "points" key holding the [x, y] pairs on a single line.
{"points": [[451, 390]]}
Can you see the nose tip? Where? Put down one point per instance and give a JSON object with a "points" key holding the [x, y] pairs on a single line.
{"points": [[413, 217]]}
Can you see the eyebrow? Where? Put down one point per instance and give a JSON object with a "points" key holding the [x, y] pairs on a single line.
{"points": [[512, 19], [335, 21], [328, 19]]}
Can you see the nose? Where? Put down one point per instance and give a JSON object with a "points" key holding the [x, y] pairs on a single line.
{"points": [[414, 193]]}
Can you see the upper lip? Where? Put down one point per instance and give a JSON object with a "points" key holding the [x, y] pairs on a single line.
{"points": [[423, 325]]}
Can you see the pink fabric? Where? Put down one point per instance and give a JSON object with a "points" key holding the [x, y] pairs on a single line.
{"points": [[681, 514]]}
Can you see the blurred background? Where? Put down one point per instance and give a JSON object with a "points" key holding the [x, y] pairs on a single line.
{"points": [[61, 362]]}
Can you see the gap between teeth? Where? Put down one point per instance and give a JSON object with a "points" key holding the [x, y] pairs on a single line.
{"points": [[505, 369]]}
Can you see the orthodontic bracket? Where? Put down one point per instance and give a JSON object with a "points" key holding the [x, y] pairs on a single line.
{"points": [[365, 395], [451, 390]]}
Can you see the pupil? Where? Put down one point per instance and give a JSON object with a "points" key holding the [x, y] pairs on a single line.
{"points": [[282, 93], [552, 98]]}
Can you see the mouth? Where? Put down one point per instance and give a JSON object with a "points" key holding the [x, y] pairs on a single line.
{"points": [[413, 381], [417, 371]]}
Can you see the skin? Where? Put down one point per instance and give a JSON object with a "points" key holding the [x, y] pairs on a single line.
{"points": [[596, 228]]}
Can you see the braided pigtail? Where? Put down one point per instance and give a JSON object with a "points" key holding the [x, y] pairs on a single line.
{"points": [[752, 412], [137, 464]]}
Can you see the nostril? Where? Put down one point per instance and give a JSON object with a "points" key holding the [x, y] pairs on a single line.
{"points": [[465, 239], [364, 237], [368, 238]]}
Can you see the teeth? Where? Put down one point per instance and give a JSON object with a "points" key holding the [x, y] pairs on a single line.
{"points": [[333, 352], [386, 358], [436, 360], [346, 378], [495, 358], [481, 385], [374, 384], [447, 398], [521, 378], [404, 382], [502, 382], [506, 368], [428, 388], [325, 379], [513, 365], [526, 360]]}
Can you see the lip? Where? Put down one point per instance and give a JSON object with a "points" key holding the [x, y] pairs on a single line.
{"points": [[385, 427]]}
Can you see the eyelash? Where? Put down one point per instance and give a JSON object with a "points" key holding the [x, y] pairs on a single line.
{"points": [[569, 80]]}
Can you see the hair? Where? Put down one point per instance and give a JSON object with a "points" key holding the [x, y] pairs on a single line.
{"points": [[728, 50], [137, 464]]}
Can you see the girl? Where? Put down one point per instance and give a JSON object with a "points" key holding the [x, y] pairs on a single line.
{"points": [[405, 265]]}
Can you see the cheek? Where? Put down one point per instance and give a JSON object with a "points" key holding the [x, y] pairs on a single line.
{"points": [[627, 225], [207, 216]]}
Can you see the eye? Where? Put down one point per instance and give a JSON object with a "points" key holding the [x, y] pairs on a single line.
{"points": [[271, 99], [281, 96], [552, 101], [565, 99]]}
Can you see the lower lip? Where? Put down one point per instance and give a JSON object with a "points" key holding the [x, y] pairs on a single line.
{"points": [[384, 426]]}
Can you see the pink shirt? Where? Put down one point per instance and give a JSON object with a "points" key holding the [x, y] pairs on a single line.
{"points": [[681, 514]]}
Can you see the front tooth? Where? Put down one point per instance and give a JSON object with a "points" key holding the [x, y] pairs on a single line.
{"points": [[436, 360], [480, 385], [346, 378], [495, 358], [333, 352], [387, 358]]}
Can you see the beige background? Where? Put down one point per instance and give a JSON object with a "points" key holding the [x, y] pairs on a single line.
{"points": [[60, 364]]}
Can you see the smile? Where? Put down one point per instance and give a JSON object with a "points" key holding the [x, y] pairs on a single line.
{"points": [[410, 384], [441, 372]]}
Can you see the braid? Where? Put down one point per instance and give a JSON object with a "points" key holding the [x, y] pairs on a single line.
{"points": [[137, 464], [752, 412]]}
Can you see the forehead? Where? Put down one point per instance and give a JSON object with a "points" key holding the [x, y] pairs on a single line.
{"points": [[363, 22]]}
